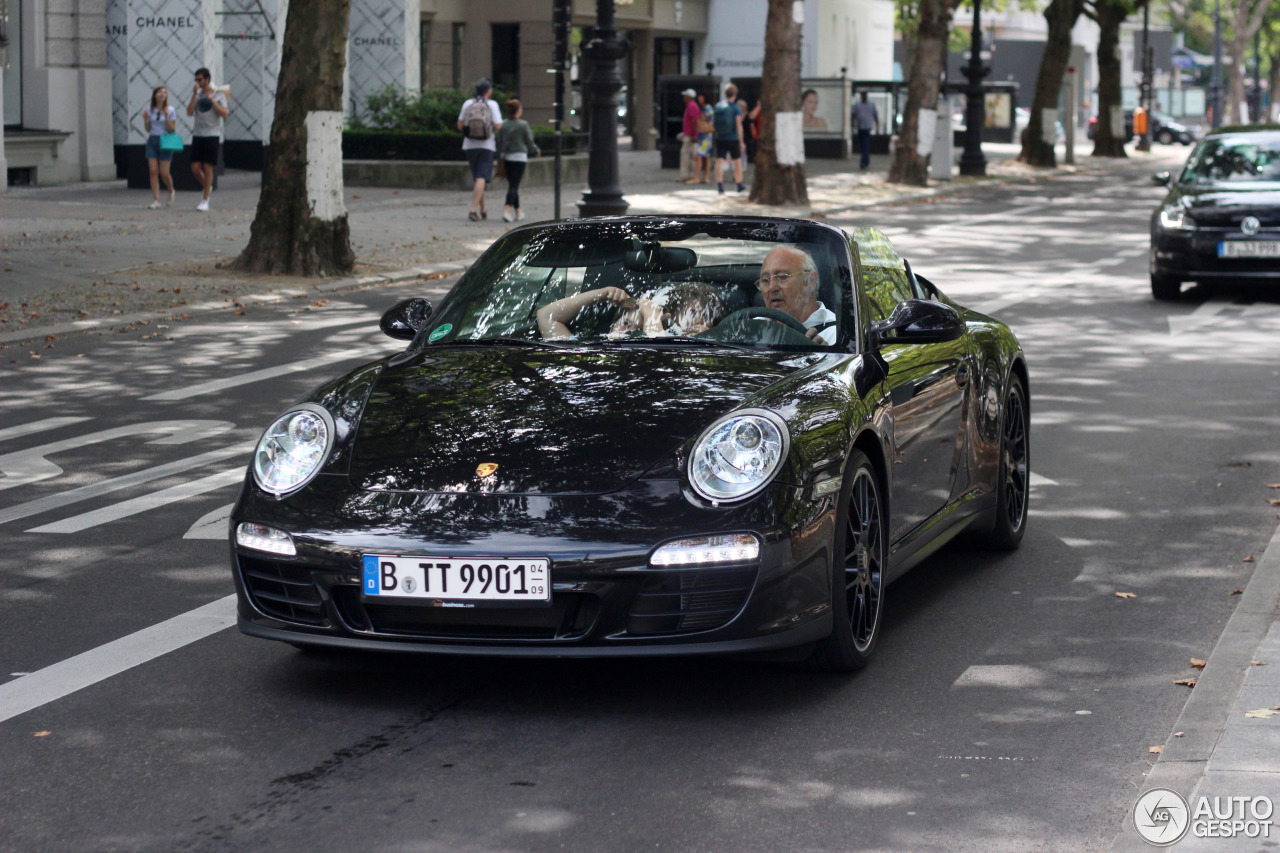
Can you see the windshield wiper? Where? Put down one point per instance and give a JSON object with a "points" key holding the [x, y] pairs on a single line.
{"points": [[505, 342], [663, 340]]}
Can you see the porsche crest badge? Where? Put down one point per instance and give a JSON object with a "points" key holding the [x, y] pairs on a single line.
{"points": [[486, 469]]}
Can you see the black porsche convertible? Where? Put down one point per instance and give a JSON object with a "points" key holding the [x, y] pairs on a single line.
{"points": [[641, 436]]}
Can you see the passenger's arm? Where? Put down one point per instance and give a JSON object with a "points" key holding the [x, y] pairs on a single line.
{"points": [[554, 317]]}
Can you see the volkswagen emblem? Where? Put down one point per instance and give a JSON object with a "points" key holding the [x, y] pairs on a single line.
{"points": [[1250, 225]]}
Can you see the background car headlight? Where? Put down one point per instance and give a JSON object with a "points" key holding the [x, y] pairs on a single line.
{"points": [[738, 455], [292, 449], [1175, 217]]}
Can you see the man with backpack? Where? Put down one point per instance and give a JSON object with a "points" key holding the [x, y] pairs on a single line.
{"points": [[727, 118], [479, 120]]}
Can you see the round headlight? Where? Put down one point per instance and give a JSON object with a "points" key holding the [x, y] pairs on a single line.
{"points": [[738, 455], [292, 449]]}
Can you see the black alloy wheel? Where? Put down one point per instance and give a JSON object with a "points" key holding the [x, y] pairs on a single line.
{"points": [[1014, 478], [861, 550]]}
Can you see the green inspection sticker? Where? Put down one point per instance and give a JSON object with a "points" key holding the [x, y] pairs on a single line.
{"points": [[441, 332]]}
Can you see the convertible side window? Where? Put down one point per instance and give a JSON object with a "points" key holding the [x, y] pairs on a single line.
{"points": [[884, 274]]}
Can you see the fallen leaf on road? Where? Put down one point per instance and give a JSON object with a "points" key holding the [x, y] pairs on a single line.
{"points": [[1246, 559], [1198, 664], [1262, 713], [1156, 749], [41, 734], [1236, 592], [1257, 663], [1126, 595], [1187, 682], [1269, 485], [1179, 734], [1273, 501]]}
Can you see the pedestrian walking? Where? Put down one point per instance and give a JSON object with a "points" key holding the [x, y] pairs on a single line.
{"points": [[752, 127], [727, 119], [479, 120], [865, 119], [703, 147], [159, 118], [688, 133], [210, 107], [515, 141]]}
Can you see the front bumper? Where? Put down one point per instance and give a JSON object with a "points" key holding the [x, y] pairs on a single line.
{"points": [[1193, 256], [607, 600]]}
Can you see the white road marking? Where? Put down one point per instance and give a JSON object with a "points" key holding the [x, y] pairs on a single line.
{"points": [[124, 509], [86, 669], [1204, 315], [1040, 480], [38, 426], [266, 373], [30, 466], [94, 490], [211, 525]]}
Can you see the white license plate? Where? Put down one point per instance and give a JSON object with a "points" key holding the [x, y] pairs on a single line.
{"points": [[1249, 249], [459, 582]]}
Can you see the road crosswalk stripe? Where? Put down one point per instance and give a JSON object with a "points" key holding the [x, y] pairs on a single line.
{"points": [[65, 677], [38, 426], [266, 373], [124, 509], [137, 478]]}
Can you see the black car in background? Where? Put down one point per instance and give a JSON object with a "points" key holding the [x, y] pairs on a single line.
{"points": [[1164, 129], [1220, 220], [639, 436]]}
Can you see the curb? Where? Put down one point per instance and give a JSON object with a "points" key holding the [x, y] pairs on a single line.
{"points": [[1182, 765]]}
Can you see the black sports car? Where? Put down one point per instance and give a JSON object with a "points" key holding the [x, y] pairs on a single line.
{"points": [[640, 436], [1220, 220]]}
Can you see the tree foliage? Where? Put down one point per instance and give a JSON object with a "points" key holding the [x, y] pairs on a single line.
{"points": [[1241, 20]]}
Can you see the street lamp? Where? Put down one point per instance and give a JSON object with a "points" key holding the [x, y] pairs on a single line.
{"points": [[604, 195], [971, 161], [1215, 87], [1144, 94]]}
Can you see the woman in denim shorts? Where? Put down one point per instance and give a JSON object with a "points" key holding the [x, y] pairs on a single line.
{"points": [[160, 118]]}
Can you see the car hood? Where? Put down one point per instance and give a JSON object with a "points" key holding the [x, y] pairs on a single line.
{"points": [[553, 421], [1218, 205]]}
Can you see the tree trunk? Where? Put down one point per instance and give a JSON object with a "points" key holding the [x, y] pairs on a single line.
{"points": [[908, 166], [780, 180], [1061, 16], [1273, 108], [300, 227], [1246, 20], [1111, 14]]}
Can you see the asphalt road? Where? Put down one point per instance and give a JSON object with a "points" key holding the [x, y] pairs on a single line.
{"points": [[1010, 707]]}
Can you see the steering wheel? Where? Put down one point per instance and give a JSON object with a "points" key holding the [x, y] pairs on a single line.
{"points": [[762, 312]]}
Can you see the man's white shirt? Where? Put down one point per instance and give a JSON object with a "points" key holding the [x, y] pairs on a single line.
{"points": [[821, 317]]}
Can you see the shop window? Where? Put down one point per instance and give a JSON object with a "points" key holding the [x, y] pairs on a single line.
{"points": [[506, 57]]}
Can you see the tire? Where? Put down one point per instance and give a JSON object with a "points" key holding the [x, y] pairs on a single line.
{"points": [[1165, 137], [860, 554], [1014, 476], [1165, 288]]}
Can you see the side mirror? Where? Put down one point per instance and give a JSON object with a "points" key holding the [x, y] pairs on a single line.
{"points": [[404, 319], [918, 321], [1161, 179]]}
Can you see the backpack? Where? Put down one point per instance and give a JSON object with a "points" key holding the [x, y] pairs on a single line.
{"points": [[725, 118], [477, 120]]}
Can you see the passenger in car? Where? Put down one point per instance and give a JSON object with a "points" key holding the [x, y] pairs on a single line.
{"points": [[789, 283], [689, 308]]}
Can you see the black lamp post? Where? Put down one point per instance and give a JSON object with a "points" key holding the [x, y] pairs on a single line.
{"points": [[1144, 93], [604, 195], [1215, 87], [972, 162]]}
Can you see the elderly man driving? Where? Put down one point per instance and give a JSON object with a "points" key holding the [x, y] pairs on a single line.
{"points": [[789, 283]]}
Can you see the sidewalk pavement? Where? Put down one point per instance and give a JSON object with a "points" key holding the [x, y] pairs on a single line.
{"points": [[90, 256]]}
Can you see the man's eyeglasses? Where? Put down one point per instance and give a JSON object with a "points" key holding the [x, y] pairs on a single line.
{"points": [[782, 278]]}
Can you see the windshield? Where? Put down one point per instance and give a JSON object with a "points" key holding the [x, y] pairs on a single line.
{"points": [[651, 282], [1250, 159]]}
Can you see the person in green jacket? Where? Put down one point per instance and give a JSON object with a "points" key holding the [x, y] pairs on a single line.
{"points": [[515, 141]]}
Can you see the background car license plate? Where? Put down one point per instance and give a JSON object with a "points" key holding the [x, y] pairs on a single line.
{"points": [[1249, 249], [464, 582]]}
